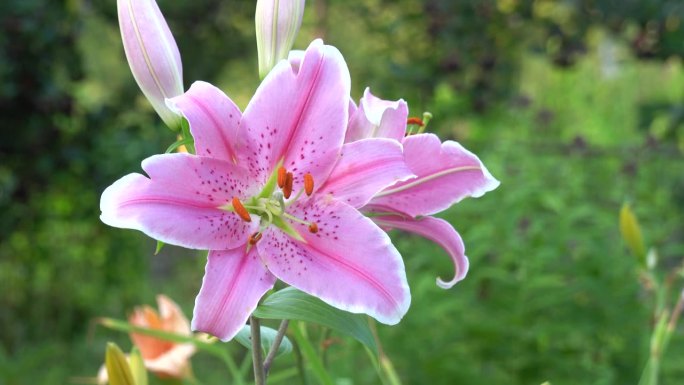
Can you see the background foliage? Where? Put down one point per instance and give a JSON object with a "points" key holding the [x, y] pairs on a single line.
{"points": [[574, 105]]}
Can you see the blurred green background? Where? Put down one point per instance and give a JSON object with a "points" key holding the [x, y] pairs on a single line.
{"points": [[575, 105]]}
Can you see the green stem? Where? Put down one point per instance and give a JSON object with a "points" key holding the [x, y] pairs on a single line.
{"points": [[300, 363], [310, 355], [257, 357], [390, 374], [276, 344], [245, 364], [232, 367]]}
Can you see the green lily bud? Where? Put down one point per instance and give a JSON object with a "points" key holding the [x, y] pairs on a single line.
{"points": [[137, 365], [118, 370], [277, 25], [631, 233]]}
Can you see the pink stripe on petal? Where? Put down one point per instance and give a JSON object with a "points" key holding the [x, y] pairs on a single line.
{"points": [[438, 231], [364, 169], [179, 203], [445, 174], [298, 116], [234, 281], [349, 263]]}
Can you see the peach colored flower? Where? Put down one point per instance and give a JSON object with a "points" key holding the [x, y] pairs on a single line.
{"points": [[164, 358]]}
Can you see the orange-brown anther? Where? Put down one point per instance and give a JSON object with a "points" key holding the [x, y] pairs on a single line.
{"points": [[414, 120], [287, 188], [254, 238], [282, 175], [313, 228], [240, 210], [308, 183]]}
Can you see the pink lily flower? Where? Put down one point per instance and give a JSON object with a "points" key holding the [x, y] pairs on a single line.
{"points": [[445, 173], [274, 194]]}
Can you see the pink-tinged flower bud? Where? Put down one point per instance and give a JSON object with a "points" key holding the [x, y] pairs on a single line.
{"points": [[277, 24], [152, 54]]}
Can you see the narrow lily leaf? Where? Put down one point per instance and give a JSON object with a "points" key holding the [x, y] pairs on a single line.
{"points": [[123, 326], [291, 303], [178, 143], [118, 371], [187, 135], [631, 233], [160, 244], [138, 367], [267, 337]]}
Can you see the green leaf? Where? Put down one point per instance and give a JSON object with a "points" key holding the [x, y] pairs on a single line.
{"points": [[267, 337], [291, 303], [178, 143], [160, 244], [187, 135], [310, 355]]}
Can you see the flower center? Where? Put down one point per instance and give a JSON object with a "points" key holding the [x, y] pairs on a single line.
{"points": [[270, 205]]}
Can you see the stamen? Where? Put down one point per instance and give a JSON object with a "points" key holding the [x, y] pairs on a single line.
{"points": [[254, 238], [287, 188], [282, 176], [313, 228], [308, 183], [240, 210], [415, 120]]}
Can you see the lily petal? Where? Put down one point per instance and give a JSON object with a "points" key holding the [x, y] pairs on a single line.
{"points": [[446, 173], [214, 120], [365, 168], [349, 263], [234, 282], [438, 231], [172, 316], [377, 118], [298, 117], [295, 58], [179, 203]]}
